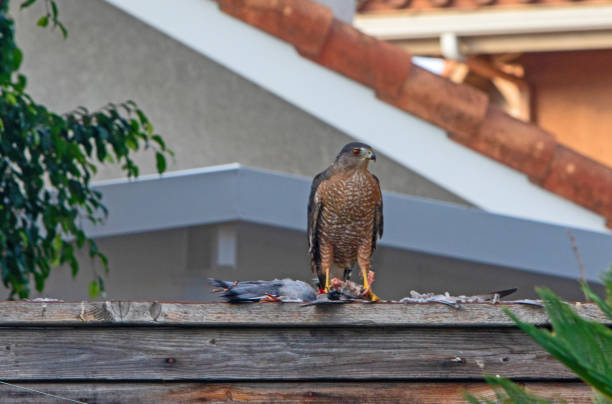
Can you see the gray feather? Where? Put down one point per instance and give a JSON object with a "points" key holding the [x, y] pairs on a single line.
{"points": [[254, 291]]}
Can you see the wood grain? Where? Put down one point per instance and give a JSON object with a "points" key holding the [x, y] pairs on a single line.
{"points": [[282, 354], [313, 393], [273, 314]]}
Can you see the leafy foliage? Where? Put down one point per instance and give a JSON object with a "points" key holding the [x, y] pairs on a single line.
{"points": [[47, 161], [604, 305], [507, 392], [582, 345], [51, 15]]}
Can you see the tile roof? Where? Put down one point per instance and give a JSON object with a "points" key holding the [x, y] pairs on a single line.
{"points": [[386, 6], [463, 111]]}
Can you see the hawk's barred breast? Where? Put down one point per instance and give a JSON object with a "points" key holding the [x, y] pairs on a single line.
{"points": [[347, 217]]}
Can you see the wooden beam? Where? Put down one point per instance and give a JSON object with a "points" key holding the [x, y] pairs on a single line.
{"points": [[313, 393], [272, 354], [269, 314]]}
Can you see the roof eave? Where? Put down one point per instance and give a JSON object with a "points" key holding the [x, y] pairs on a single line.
{"points": [[486, 30]]}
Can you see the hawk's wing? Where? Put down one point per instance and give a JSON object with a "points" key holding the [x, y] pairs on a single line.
{"points": [[315, 205], [377, 231]]}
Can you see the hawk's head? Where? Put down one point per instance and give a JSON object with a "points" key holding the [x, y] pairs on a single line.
{"points": [[354, 155]]}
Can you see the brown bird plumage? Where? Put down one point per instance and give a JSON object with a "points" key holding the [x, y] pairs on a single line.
{"points": [[345, 215]]}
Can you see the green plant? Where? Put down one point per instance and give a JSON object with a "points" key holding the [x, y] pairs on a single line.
{"points": [[582, 345], [47, 161], [507, 392]]}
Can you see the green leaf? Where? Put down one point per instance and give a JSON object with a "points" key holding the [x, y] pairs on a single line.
{"points": [[104, 262], [599, 398], [17, 58], [101, 283], [507, 392], [80, 238], [141, 116], [590, 295], [43, 21], [161, 162], [54, 10], [158, 139], [93, 249], [74, 266], [24, 237], [27, 3], [21, 83], [94, 289], [10, 98], [582, 345], [63, 29], [606, 278], [131, 143], [57, 248], [473, 400], [39, 280]]}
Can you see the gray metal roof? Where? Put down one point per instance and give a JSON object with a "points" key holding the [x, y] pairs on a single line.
{"points": [[236, 193]]}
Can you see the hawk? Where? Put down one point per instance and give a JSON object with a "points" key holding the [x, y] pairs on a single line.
{"points": [[345, 216]]}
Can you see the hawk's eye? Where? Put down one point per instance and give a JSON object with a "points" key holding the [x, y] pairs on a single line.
{"points": [[356, 152]]}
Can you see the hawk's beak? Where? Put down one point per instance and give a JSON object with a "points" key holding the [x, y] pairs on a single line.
{"points": [[372, 155]]}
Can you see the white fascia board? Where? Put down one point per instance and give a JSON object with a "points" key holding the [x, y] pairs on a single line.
{"points": [[487, 22], [226, 194], [354, 110]]}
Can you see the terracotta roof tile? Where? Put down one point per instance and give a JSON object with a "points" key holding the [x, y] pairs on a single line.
{"points": [[372, 62], [461, 110], [305, 24], [518, 144], [454, 107], [399, 6], [582, 180]]}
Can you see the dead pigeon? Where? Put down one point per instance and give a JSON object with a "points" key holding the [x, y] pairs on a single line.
{"points": [[277, 290], [288, 290]]}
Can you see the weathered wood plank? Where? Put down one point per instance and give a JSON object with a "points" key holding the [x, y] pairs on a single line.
{"points": [[313, 393], [216, 354], [272, 314]]}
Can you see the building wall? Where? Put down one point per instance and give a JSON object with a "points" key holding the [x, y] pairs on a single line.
{"points": [[207, 114], [572, 98], [175, 265]]}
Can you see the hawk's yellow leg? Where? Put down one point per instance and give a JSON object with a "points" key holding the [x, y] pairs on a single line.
{"points": [[327, 261], [367, 285], [363, 259]]}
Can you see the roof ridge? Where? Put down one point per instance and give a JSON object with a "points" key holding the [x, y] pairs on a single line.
{"points": [[463, 111]]}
